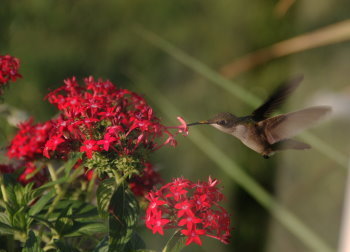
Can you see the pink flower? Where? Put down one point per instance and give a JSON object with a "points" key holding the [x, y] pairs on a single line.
{"points": [[183, 127]]}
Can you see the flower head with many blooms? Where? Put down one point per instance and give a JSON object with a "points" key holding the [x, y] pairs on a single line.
{"points": [[191, 207], [99, 117], [8, 70], [28, 144], [114, 128]]}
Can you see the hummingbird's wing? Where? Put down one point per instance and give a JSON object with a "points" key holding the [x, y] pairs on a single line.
{"points": [[290, 144], [276, 99], [288, 125]]}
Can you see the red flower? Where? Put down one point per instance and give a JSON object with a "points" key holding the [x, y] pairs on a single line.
{"points": [[30, 140], [89, 174], [158, 223], [52, 144], [118, 119], [184, 208], [106, 142], [89, 146], [31, 173], [201, 201], [193, 235], [98, 117], [142, 184], [154, 203], [8, 70], [196, 208], [189, 221], [6, 168]]}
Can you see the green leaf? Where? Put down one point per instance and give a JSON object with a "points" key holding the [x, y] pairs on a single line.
{"points": [[20, 219], [6, 229], [104, 194], [32, 243], [64, 223], [4, 218], [177, 245], [38, 191], [64, 247], [68, 166], [81, 210], [73, 218], [102, 246], [144, 250], [124, 212], [11, 204], [17, 205], [136, 243], [44, 221], [86, 228], [41, 203]]}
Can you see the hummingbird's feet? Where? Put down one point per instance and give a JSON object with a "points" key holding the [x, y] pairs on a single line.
{"points": [[266, 156]]}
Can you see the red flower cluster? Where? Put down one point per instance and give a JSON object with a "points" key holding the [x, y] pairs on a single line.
{"points": [[96, 117], [6, 168], [99, 117], [192, 207], [30, 172], [30, 140], [8, 70]]}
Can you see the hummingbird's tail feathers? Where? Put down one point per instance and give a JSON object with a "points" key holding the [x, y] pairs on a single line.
{"points": [[288, 125], [276, 98], [290, 144]]}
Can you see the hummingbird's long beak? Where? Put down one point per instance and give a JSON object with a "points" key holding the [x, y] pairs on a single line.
{"points": [[198, 123]]}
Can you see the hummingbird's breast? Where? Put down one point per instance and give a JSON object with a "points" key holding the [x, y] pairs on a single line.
{"points": [[250, 135]]}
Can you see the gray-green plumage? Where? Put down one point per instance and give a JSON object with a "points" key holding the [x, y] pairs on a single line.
{"points": [[265, 134]]}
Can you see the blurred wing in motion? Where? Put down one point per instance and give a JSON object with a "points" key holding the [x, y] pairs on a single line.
{"points": [[290, 144], [288, 125], [276, 99]]}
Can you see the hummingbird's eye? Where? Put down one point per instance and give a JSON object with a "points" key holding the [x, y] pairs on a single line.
{"points": [[223, 122]]}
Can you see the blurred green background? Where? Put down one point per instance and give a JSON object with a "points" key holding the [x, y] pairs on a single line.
{"points": [[59, 39]]}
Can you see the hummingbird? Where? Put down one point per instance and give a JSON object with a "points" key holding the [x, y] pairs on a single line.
{"points": [[265, 134]]}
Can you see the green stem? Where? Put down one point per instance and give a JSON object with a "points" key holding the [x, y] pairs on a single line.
{"points": [[3, 190], [175, 243], [90, 189], [54, 177], [119, 179], [43, 237], [75, 174]]}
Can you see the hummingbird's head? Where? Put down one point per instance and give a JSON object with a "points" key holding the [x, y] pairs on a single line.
{"points": [[222, 121]]}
